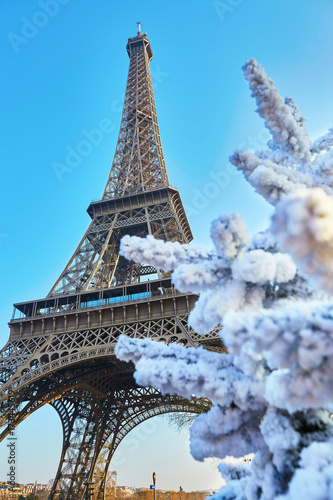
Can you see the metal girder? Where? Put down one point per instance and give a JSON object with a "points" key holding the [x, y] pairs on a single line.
{"points": [[98, 403], [71, 348], [96, 263], [61, 348]]}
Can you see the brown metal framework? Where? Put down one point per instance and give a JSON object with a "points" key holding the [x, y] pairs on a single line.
{"points": [[61, 348], [138, 164]]}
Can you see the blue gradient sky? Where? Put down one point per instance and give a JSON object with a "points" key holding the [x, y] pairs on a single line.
{"points": [[68, 76]]}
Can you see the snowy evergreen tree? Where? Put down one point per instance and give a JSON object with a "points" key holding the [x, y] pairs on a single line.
{"points": [[272, 393]]}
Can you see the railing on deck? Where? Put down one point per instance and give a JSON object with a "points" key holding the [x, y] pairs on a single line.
{"points": [[75, 303]]}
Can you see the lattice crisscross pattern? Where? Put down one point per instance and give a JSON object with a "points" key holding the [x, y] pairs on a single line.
{"points": [[138, 164], [61, 348]]}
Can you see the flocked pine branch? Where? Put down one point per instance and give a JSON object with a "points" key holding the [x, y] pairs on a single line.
{"points": [[272, 393]]}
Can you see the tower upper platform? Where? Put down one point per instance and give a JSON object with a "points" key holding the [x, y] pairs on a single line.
{"points": [[139, 42]]}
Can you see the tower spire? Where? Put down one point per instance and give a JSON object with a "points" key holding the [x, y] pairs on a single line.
{"points": [[139, 28], [138, 163]]}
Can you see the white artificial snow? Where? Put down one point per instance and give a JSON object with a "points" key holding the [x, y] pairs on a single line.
{"points": [[287, 130], [271, 180], [272, 394], [303, 226], [323, 143], [229, 235]]}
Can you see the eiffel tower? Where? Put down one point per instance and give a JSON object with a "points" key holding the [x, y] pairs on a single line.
{"points": [[61, 348]]}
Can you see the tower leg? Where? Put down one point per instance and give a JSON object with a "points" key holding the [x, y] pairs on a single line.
{"points": [[80, 448]]}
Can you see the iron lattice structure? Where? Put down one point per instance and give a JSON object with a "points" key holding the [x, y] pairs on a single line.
{"points": [[61, 348]]}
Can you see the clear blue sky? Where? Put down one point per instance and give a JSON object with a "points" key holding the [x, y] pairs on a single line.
{"points": [[68, 74]]}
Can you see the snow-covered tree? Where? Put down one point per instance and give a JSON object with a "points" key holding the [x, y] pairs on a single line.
{"points": [[272, 393]]}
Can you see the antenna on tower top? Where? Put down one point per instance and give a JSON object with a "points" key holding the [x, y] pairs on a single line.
{"points": [[139, 28]]}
